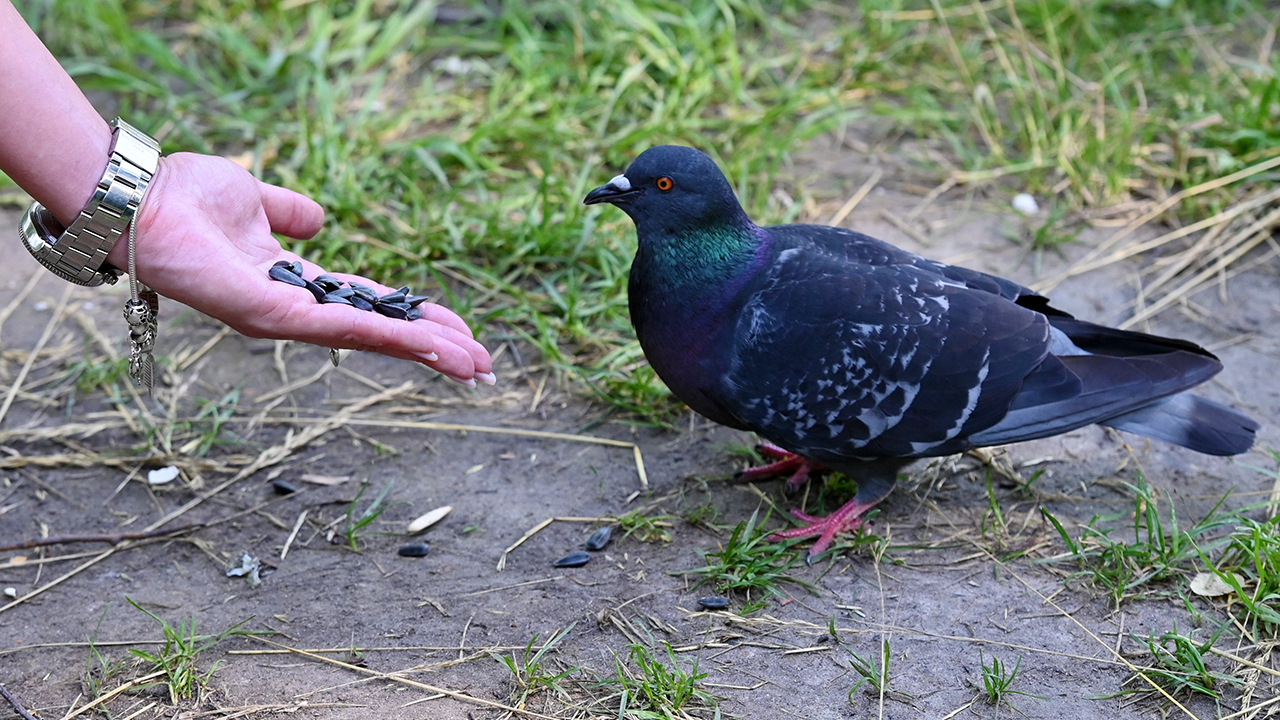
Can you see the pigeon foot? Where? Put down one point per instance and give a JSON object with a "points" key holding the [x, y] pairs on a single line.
{"points": [[785, 463], [848, 518]]}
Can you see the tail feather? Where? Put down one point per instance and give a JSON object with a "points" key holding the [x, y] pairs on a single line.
{"points": [[1192, 422]]}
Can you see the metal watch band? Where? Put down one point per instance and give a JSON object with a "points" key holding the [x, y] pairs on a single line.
{"points": [[78, 253]]}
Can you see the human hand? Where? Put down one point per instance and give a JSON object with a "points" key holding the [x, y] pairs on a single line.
{"points": [[204, 239]]}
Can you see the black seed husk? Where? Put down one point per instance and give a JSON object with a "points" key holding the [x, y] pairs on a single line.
{"points": [[316, 290], [285, 275], [283, 487], [599, 539], [714, 602], [335, 298], [391, 311], [361, 303], [413, 314], [572, 560], [414, 550]]}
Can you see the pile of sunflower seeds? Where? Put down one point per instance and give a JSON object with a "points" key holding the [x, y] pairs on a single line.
{"points": [[399, 304]]}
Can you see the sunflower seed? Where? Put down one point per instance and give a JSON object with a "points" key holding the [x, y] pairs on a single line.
{"points": [[414, 550], [599, 539], [572, 560], [714, 602]]}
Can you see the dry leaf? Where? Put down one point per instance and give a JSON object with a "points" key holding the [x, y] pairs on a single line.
{"points": [[1207, 584]]}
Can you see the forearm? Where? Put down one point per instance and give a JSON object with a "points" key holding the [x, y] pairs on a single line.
{"points": [[53, 144]]}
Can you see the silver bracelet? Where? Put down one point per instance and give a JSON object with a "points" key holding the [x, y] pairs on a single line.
{"points": [[78, 253]]}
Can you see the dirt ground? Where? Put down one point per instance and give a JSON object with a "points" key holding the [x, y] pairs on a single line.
{"points": [[940, 598]]}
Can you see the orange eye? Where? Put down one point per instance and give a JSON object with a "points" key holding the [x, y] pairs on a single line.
{"points": [[664, 183]]}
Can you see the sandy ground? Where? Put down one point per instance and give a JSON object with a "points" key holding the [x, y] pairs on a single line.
{"points": [[940, 597]]}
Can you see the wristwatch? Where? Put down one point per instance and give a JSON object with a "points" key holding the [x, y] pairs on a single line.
{"points": [[78, 253]]}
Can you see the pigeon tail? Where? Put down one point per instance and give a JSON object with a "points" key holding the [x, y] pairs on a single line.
{"points": [[1192, 422], [1110, 388]]}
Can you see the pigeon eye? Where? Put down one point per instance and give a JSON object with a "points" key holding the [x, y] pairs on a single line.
{"points": [[665, 183]]}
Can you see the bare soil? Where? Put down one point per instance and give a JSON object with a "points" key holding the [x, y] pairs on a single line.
{"points": [[940, 597]]}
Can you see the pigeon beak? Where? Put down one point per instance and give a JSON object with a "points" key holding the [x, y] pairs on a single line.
{"points": [[617, 190]]}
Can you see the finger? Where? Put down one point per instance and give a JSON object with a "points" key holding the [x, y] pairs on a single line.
{"points": [[291, 213]]}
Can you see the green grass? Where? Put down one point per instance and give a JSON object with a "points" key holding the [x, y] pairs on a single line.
{"points": [[354, 523], [176, 658], [649, 688], [1130, 554], [998, 679], [462, 149], [531, 671], [749, 564], [1177, 665]]}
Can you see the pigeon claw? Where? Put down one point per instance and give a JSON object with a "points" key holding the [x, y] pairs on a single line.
{"points": [[785, 463], [849, 518]]}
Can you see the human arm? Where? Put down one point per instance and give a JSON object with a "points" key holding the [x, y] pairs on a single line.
{"points": [[204, 233]]}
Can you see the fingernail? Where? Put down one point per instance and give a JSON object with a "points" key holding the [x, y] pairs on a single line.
{"points": [[487, 378], [429, 357], [469, 382]]}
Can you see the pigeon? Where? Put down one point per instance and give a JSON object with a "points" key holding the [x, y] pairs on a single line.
{"points": [[850, 354]]}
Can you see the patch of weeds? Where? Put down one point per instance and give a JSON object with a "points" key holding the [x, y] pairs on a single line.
{"points": [[216, 413], [749, 563], [353, 525], [873, 669], [998, 679], [650, 689], [530, 669], [1160, 549], [100, 668], [1250, 564], [645, 528], [176, 659], [1178, 667], [705, 515]]}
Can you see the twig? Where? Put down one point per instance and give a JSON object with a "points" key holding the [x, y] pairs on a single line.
{"points": [[31, 357], [406, 681], [17, 706], [906, 228], [502, 561], [852, 202], [17, 301], [278, 453], [297, 525], [111, 538]]}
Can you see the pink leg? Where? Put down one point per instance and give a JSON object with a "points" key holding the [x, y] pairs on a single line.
{"points": [[847, 519], [786, 463]]}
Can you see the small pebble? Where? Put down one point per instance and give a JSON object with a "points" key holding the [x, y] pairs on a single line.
{"points": [[163, 475], [714, 602], [599, 539], [414, 550], [11, 592], [572, 560], [283, 487], [1025, 204]]}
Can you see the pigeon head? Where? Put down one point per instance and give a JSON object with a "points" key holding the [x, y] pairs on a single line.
{"points": [[672, 190]]}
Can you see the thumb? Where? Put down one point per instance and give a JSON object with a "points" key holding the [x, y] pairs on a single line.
{"points": [[290, 213]]}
